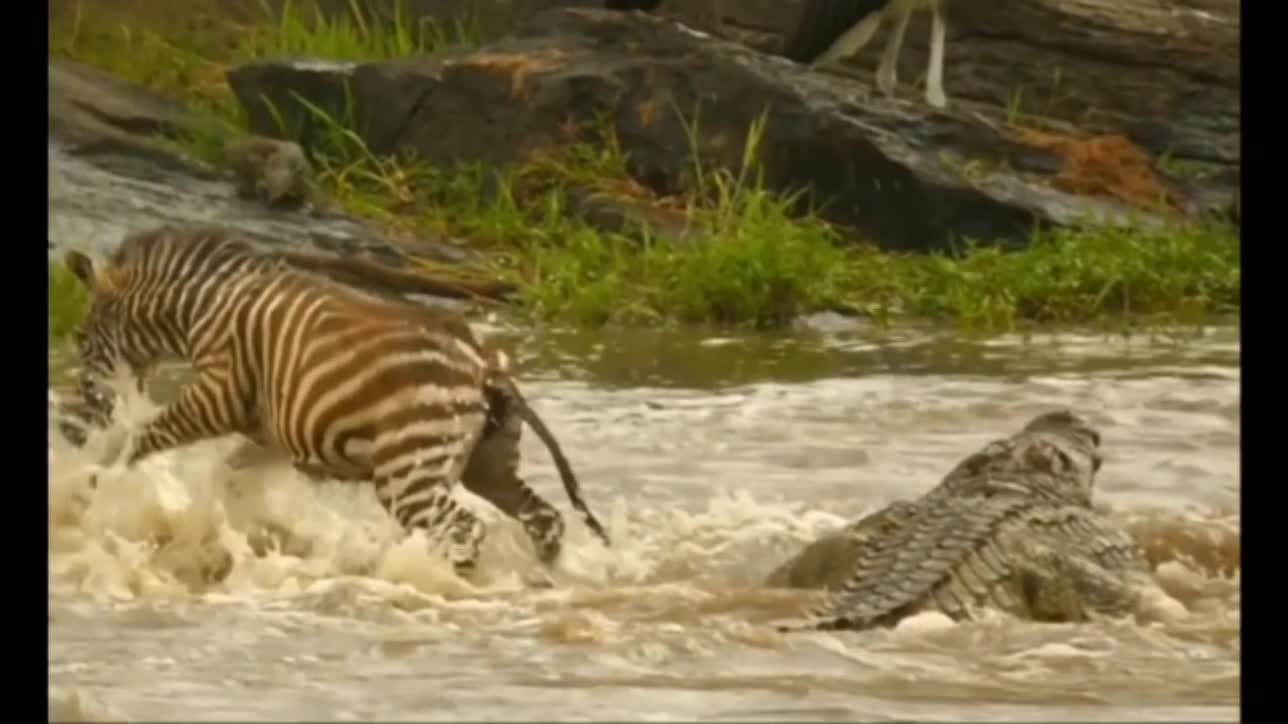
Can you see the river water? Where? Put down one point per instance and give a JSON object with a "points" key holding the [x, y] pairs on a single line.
{"points": [[184, 591]]}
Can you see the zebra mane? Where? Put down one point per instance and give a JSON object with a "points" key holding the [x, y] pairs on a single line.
{"points": [[190, 250], [110, 278], [138, 245]]}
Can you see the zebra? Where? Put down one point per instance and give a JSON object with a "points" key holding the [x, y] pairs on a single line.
{"points": [[829, 30], [347, 384]]}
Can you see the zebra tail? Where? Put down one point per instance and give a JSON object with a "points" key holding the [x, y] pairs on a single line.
{"points": [[566, 475]]}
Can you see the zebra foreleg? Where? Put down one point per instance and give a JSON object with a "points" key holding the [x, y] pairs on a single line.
{"points": [[420, 498], [935, 94], [852, 41], [888, 69], [543, 523], [205, 409]]}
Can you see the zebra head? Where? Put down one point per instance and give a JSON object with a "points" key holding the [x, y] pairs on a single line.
{"points": [[100, 337]]}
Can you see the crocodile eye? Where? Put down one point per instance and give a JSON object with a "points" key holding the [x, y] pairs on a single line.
{"points": [[1066, 462]]}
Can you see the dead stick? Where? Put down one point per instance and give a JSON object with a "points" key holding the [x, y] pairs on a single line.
{"points": [[361, 272]]}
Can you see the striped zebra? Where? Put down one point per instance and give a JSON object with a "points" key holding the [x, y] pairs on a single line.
{"points": [[348, 384]]}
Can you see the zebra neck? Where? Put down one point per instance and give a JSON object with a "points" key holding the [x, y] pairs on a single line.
{"points": [[188, 308]]}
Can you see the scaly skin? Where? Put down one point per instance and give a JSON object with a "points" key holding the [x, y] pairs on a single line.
{"points": [[1010, 528], [1024, 557], [829, 561]]}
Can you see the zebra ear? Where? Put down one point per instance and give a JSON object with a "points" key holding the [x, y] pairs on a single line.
{"points": [[82, 267]]}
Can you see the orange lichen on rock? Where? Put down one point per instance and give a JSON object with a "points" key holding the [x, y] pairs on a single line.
{"points": [[648, 111], [570, 128], [1106, 166], [515, 66]]}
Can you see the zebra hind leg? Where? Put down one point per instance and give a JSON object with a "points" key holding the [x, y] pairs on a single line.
{"points": [[492, 473], [541, 521], [544, 524], [421, 499]]}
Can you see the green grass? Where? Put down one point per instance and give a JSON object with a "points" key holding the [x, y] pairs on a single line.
{"points": [[743, 258], [67, 301], [1066, 276], [746, 260]]}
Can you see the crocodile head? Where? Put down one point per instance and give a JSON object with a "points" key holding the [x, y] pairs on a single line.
{"points": [[1056, 455], [1066, 422], [1075, 431], [1065, 448]]}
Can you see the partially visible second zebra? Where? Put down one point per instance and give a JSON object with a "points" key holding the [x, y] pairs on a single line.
{"points": [[829, 30], [347, 384]]}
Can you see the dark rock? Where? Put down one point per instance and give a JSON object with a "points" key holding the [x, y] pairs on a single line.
{"points": [[111, 174], [96, 113], [897, 172], [1166, 75], [86, 103], [1163, 75]]}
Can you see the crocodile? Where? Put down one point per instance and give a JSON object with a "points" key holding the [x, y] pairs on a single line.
{"points": [[1011, 527]]}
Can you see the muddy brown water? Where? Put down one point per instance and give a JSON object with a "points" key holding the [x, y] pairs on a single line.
{"points": [[182, 591]]}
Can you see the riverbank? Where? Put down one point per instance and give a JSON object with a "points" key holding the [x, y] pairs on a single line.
{"points": [[726, 250]]}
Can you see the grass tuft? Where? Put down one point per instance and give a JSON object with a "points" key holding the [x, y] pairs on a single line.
{"points": [[1089, 274], [744, 258], [68, 301]]}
